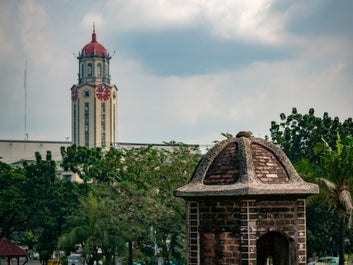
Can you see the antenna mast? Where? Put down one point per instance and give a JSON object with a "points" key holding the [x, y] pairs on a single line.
{"points": [[25, 87]]}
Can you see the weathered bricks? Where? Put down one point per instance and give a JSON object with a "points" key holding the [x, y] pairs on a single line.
{"points": [[246, 203], [226, 232]]}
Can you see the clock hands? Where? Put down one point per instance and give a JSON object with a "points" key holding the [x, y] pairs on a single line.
{"points": [[103, 93]]}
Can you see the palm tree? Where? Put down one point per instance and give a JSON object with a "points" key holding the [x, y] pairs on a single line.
{"points": [[87, 229], [336, 174]]}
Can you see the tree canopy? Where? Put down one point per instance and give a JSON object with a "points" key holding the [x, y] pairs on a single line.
{"points": [[122, 207], [321, 150], [13, 212], [135, 187], [336, 173], [298, 134]]}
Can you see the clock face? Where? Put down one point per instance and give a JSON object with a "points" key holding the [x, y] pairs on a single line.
{"points": [[103, 92], [74, 95]]}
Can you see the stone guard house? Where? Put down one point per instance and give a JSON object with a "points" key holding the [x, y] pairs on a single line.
{"points": [[246, 205]]}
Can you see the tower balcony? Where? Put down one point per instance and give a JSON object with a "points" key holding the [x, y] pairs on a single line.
{"points": [[93, 79]]}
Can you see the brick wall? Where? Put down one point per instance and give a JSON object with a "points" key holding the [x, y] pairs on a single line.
{"points": [[268, 168], [226, 232]]}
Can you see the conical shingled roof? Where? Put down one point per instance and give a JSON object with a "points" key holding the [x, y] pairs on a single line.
{"points": [[245, 166], [9, 249]]}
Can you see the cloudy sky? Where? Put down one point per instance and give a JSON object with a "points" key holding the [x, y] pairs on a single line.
{"points": [[186, 70]]}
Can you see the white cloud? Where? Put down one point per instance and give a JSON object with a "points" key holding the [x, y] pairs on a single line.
{"points": [[34, 39], [152, 108], [8, 47], [152, 14], [251, 20], [239, 99], [90, 18], [193, 98]]}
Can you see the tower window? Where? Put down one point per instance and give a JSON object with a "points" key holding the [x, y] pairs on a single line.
{"points": [[103, 125], [86, 93], [89, 69], [86, 124], [99, 70], [82, 70], [114, 124], [74, 125]]}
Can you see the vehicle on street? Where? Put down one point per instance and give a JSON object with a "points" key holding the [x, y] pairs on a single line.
{"points": [[74, 259], [325, 261]]}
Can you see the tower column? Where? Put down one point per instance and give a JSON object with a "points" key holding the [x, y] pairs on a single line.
{"points": [[93, 107]]}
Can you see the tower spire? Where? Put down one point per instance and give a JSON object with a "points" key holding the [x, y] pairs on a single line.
{"points": [[94, 38]]}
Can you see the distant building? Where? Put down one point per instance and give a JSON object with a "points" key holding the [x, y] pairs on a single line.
{"points": [[15, 152], [93, 113], [94, 99], [93, 110]]}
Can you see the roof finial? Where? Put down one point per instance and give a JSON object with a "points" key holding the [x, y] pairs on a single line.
{"points": [[94, 38]]}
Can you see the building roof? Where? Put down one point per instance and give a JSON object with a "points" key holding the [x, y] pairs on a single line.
{"points": [[17, 151], [94, 48], [9, 249], [246, 166]]}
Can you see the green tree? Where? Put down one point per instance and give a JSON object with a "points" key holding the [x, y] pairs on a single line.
{"points": [[160, 173], [90, 227], [50, 200], [137, 187], [298, 134], [34, 203], [169, 221], [40, 187], [321, 222], [336, 173], [82, 161], [14, 213]]}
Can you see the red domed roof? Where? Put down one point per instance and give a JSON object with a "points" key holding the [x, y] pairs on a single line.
{"points": [[94, 48]]}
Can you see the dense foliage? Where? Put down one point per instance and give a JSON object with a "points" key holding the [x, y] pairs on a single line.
{"points": [[124, 206], [298, 134], [335, 173], [321, 149], [34, 203], [13, 212]]}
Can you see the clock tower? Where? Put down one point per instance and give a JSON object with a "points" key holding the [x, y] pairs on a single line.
{"points": [[94, 99]]}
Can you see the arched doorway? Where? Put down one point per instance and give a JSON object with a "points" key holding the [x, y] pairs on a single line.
{"points": [[275, 248]]}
